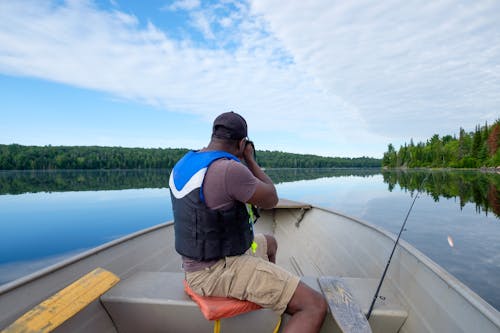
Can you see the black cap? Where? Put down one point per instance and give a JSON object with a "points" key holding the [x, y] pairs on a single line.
{"points": [[230, 125]]}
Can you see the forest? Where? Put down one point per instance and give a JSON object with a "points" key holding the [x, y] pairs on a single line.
{"points": [[474, 149], [19, 157]]}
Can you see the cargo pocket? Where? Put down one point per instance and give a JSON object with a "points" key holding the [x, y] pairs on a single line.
{"points": [[222, 285], [208, 281], [266, 285]]}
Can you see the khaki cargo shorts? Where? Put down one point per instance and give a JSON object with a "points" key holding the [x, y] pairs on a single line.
{"points": [[248, 277]]}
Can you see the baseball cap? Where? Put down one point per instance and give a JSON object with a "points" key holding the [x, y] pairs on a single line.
{"points": [[229, 125]]}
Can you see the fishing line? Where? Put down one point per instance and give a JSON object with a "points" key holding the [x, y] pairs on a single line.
{"points": [[394, 249]]}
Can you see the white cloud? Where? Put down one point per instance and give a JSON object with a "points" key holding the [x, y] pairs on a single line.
{"points": [[408, 68], [225, 22], [338, 79], [182, 5], [203, 23], [80, 45]]}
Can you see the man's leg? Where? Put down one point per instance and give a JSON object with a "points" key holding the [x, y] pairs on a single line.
{"points": [[272, 248], [250, 276], [308, 309]]}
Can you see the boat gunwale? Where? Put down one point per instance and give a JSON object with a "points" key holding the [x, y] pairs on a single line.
{"points": [[9, 286], [451, 281]]}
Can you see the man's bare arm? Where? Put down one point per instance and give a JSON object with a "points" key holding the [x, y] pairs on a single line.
{"points": [[265, 195]]}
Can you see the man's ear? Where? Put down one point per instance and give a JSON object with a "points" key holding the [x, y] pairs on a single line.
{"points": [[241, 146]]}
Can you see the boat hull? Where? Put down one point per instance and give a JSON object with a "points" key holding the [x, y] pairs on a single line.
{"points": [[313, 242]]}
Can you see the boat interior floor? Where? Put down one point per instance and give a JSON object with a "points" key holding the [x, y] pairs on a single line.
{"points": [[151, 301]]}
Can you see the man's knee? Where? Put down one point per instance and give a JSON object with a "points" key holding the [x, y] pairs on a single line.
{"points": [[307, 299], [318, 307], [272, 243], [272, 247], [318, 302], [322, 305]]}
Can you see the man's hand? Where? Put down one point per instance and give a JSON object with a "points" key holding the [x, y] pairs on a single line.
{"points": [[249, 152], [265, 195]]}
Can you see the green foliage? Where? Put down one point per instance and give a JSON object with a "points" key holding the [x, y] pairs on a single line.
{"points": [[17, 157], [390, 157], [277, 159], [476, 149]]}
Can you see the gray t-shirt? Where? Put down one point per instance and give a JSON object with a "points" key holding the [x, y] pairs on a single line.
{"points": [[226, 181]]}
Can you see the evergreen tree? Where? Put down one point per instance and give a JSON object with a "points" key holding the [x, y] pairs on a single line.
{"points": [[462, 148], [390, 157], [476, 143], [494, 139], [470, 150]]}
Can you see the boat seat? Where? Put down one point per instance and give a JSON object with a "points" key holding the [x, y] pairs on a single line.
{"points": [[388, 314], [152, 301]]}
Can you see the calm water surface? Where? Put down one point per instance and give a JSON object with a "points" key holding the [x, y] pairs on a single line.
{"points": [[48, 216]]}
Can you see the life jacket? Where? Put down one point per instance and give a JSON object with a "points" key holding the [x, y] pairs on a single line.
{"points": [[202, 233]]}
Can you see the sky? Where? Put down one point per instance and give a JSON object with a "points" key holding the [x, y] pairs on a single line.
{"points": [[331, 78]]}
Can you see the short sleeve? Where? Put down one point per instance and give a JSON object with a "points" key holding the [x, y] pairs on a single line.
{"points": [[240, 182]]}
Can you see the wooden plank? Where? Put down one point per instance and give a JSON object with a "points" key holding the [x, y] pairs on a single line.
{"points": [[289, 204], [63, 305], [346, 312]]}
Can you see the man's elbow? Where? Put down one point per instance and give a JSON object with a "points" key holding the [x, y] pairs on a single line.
{"points": [[271, 202], [265, 197], [275, 201]]}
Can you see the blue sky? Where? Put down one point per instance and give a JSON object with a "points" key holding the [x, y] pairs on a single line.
{"points": [[334, 78]]}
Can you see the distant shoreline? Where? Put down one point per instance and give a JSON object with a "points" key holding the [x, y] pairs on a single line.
{"points": [[19, 157], [482, 169], [158, 169]]}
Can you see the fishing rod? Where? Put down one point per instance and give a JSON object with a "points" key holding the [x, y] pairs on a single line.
{"points": [[394, 249]]}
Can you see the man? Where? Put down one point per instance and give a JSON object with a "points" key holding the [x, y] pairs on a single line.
{"points": [[214, 228]]}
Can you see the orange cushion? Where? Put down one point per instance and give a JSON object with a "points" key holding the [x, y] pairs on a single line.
{"points": [[214, 308]]}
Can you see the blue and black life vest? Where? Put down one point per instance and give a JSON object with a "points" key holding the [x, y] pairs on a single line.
{"points": [[202, 233]]}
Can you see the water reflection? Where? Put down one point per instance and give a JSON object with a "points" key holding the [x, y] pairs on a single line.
{"points": [[291, 175], [88, 208], [480, 188], [19, 182]]}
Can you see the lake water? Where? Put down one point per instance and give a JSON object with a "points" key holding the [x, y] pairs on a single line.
{"points": [[48, 216]]}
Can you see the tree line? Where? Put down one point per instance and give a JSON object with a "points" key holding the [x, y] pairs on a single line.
{"points": [[277, 159], [19, 157], [475, 149]]}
